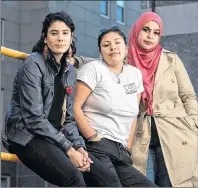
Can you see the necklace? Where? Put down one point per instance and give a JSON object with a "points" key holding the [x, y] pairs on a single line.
{"points": [[115, 75]]}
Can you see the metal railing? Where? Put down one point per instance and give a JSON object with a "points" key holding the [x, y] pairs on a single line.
{"points": [[13, 53], [17, 55], [9, 157]]}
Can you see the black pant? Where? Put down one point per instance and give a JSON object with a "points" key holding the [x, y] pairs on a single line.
{"points": [[49, 162], [117, 166]]}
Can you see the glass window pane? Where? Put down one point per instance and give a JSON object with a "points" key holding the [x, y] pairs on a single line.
{"points": [[120, 3], [104, 7], [120, 14]]}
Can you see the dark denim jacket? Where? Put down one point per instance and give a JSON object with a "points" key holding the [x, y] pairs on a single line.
{"points": [[32, 96]]}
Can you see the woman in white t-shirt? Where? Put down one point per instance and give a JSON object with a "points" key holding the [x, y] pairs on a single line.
{"points": [[106, 107]]}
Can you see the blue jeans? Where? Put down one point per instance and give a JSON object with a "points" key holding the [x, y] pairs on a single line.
{"points": [[156, 167]]}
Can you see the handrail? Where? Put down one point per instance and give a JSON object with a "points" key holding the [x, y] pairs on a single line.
{"points": [[13, 53], [17, 55], [9, 157]]}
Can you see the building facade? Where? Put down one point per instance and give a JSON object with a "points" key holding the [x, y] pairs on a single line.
{"points": [[21, 23]]}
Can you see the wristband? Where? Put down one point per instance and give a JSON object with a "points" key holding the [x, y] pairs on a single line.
{"points": [[93, 136]]}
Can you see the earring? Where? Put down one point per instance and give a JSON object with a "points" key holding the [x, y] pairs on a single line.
{"points": [[45, 49], [70, 50]]}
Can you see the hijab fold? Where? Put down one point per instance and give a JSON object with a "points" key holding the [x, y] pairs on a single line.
{"points": [[145, 60]]}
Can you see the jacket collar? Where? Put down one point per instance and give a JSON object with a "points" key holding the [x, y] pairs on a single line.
{"points": [[51, 61], [163, 64]]}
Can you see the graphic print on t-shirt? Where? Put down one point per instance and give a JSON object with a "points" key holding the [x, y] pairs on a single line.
{"points": [[130, 88]]}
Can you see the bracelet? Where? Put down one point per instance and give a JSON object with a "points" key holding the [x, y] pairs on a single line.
{"points": [[93, 136]]}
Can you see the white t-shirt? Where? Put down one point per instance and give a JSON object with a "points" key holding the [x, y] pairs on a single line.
{"points": [[111, 107]]}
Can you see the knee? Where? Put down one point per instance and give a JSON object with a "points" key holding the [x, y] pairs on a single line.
{"points": [[74, 179], [102, 180]]}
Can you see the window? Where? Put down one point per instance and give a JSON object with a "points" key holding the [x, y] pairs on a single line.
{"points": [[148, 3], [145, 4], [2, 35], [5, 181], [120, 11], [104, 8]]}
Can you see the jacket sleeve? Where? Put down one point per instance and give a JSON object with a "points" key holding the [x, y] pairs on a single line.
{"points": [[82, 60], [31, 101], [70, 129], [186, 90]]}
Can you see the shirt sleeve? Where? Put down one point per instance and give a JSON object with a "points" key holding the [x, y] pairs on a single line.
{"points": [[89, 75], [140, 87]]}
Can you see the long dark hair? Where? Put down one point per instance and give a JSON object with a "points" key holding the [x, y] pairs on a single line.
{"points": [[49, 19]]}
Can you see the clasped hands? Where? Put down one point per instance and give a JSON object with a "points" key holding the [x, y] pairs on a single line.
{"points": [[80, 159]]}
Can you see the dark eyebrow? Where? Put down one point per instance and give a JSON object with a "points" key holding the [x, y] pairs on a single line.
{"points": [[54, 30], [146, 27], [106, 41], [117, 39]]}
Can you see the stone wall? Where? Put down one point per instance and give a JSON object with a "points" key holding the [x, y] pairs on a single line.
{"points": [[186, 46]]}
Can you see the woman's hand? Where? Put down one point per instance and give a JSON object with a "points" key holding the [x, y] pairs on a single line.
{"points": [[86, 159], [76, 158], [85, 154]]}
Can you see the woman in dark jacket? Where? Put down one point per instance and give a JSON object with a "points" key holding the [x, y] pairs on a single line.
{"points": [[40, 126]]}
